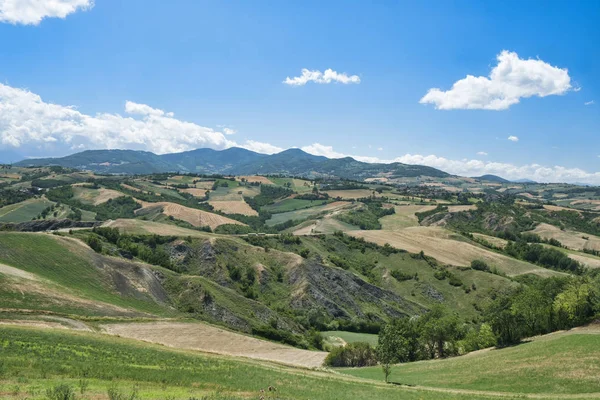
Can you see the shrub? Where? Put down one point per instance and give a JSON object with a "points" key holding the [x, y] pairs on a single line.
{"points": [[480, 265], [60, 392], [357, 354]]}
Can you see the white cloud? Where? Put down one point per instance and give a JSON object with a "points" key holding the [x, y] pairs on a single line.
{"points": [[535, 172], [468, 167], [31, 12], [316, 76], [318, 149], [229, 131], [380, 148], [482, 153], [513, 138], [261, 147], [27, 120], [588, 103], [509, 81]]}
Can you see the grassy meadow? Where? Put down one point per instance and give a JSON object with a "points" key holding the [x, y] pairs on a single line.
{"points": [[560, 363], [34, 360]]}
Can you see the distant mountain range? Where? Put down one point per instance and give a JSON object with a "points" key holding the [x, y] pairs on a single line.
{"points": [[234, 161]]}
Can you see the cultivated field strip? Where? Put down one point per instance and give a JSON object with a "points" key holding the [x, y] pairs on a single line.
{"points": [[203, 337]]}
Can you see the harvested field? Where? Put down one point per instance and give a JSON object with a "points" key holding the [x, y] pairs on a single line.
{"points": [[255, 178], [95, 196], [140, 227], [559, 208], [327, 225], [454, 209], [195, 192], [351, 194], [449, 248], [129, 187], [191, 215], [585, 259], [571, 239], [233, 207], [205, 185], [203, 337], [404, 217], [492, 239]]}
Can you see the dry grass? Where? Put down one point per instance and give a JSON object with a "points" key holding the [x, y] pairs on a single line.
{"points": [[559, 208], [194, 192], [191, 215], [404, 217], [449, 248], [454, 209], [571, 239], [197, 336], [95, 196], [492, 239], [233, 207], [140, 227], [351, 194], [255, 178], [129, 187]]}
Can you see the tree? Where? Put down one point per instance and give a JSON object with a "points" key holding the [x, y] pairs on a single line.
{"points": [[392, 348], [535, 309], [576, 304], [440, 330]]}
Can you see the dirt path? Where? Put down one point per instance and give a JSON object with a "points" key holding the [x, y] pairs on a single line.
{"points": [[203, 337]]}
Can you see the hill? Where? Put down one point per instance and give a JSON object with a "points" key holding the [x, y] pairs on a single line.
{"points": [[491, 178], [233, 161]]}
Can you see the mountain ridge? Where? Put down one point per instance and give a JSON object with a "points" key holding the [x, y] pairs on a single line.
{"points": [[234, 160]]}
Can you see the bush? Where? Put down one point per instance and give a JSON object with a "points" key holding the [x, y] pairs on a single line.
{"points": [[60, 392], [94, 243], [357, 354], [480, 266]]}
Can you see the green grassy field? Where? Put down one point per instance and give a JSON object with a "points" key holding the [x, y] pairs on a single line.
{"points": [[24, 211], [352, 337], [67, 266], [558, 363], [151, 187], [34, 360], [292, 205]]}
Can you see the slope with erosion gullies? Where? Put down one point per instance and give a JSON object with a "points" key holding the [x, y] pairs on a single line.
{"points": [[288, 283], [71, 278], [383, 273]]}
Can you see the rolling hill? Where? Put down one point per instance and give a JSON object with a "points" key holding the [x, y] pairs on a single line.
{"points": [[234, 161]]}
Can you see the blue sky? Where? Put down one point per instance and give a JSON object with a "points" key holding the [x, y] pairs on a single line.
{"points": [[220, 68]]}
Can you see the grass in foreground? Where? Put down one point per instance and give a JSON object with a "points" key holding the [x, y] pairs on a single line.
{"points": [[557, 363], [34, 360]]}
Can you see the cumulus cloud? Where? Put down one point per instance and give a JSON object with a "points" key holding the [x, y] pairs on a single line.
{"points": [[535, 172], [31, 12], [27, 120], [482, 153], [260, 147], [316, 76], [513, 138], [510, 80], [588, 103]]}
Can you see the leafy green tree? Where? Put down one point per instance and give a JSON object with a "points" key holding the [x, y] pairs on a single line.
{"points": [[440, 331], [392, 348], [535, 309], [576, 304]]}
